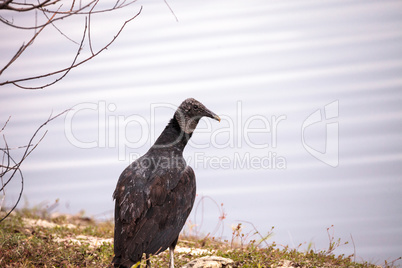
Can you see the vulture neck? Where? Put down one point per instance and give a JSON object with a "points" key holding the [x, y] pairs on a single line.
{"points": [[172, 138]]}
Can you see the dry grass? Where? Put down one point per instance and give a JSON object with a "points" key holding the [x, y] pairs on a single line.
{"points": [[30, 238]]}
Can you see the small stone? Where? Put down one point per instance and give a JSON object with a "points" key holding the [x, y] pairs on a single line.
{"points": [[210, 262], [286, 264]]}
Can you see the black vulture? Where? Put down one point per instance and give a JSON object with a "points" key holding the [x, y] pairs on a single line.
{"points": [[155, 194]]}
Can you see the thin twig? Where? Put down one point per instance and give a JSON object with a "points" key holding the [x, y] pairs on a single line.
{"points": [[68, 13], [72, 5], [220, 219], [354, 248], [57, 28], [30, 7], [16, 166], [70, 67], [7, 166], [171, 10], [23, 47], [29, 148], [263, 239], [67, 70], [5, 124], [89, 27], [65, 14], [19, 196], [38, 27]]}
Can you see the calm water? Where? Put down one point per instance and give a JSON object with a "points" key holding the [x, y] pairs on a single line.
{"points": [[266, 68]]}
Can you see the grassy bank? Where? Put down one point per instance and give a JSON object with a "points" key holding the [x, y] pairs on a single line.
{"points": [[30, 238]]}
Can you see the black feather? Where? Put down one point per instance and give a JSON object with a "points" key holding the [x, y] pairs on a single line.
{"points": [[154, 196]]}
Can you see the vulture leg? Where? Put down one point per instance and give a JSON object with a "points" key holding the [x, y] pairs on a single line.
{"points": [[171, 253]]}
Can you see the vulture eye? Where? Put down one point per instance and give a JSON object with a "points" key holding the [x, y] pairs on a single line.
{"points": [[196, 107]]}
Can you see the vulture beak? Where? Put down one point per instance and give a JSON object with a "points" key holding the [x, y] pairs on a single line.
{"points": [[212, 115]]}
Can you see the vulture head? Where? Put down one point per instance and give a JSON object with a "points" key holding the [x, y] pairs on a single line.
{"points": [[189, 114]]}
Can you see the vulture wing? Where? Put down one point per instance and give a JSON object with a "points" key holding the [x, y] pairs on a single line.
{"points": [[152, 205]]}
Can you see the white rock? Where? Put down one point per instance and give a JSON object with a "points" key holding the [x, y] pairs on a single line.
{"points": [[192, 251], [45, 224], [286, 264], [210, 262]]}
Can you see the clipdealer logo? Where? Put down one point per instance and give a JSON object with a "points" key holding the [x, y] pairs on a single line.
{"points": [[257, 132]]}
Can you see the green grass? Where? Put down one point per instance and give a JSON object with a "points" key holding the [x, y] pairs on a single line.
{"points": [[26, 245], [22, 245]]}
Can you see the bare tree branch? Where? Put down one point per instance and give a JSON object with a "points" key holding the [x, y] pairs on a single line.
{"points": [[10, 167], [22, 48], [171, 10], [55, 16], [66, 70], [65, 14], [54, 25], [5, 124], [69, 13], [23, 7], [89, 29], [4, 191], [45, 12]]}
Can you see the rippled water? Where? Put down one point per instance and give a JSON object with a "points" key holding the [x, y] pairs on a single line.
{"points": [[257, 64]]}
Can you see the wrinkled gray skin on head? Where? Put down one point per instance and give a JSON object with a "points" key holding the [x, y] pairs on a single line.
{"points": [[189, 114]]}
